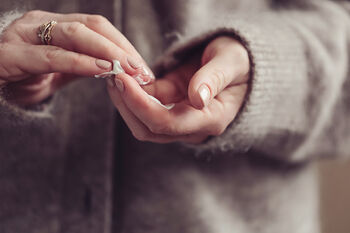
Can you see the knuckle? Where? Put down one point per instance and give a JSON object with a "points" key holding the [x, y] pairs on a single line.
{"points": [[219, 79], [33, 14], [4, 48], [17, 30], [75, 61], [52, 54], [51, 57], [96, 20], [73, 28]]}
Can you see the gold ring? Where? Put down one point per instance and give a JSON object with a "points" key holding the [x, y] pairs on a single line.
{"points": [[44, 32]]}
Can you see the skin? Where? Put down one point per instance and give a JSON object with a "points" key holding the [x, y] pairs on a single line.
{"points": [[35, 71], [223, 66]]}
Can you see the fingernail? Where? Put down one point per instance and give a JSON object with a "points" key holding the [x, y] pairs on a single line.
{"points": [[103, 64], [110, 81], [144, 80], [204, 94], [134, 63], [146, 72], [119, 84]]}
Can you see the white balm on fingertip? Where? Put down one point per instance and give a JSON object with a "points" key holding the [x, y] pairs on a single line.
{"points": [[117, 69], [167, 106]]}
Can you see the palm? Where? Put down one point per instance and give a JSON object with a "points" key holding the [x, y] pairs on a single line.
{"points": [[173, 88], [36, 88], [208, 90]]}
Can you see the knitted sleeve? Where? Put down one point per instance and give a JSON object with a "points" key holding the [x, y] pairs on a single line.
{"points": [[7, 18], [299, 100]]}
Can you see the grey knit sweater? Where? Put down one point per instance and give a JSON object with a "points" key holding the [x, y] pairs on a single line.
{"points": [[70, 165]]}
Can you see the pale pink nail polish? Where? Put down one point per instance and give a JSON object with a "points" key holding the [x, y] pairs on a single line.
{"points": [[119, 84], [204, 94], [103, 64], [142, 80], [134, 63], [110, 82], [147, 73]]}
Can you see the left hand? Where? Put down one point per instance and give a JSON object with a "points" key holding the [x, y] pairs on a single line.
{"points": [[208, 90]]}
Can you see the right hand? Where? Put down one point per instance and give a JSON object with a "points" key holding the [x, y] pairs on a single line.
{"points": [[82, 45]]}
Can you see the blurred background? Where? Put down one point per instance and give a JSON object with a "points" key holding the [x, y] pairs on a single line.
{"points": [[335, 196]]}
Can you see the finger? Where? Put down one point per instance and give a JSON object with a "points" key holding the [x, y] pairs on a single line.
{"points": [[183, 119], [166, 90], [40, 59], [36, 89], [104, 27], [137, 100], [140, 131], [30, 91], [157, 119], [75, 36], [96, 23], [172, 87], [229, 65], [214, 118]]}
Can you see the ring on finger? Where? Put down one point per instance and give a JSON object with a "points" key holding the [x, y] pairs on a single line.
{"points": [[44, 32]]}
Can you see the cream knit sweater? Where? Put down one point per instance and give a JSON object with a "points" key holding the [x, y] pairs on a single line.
{"points": [[71, 165]]}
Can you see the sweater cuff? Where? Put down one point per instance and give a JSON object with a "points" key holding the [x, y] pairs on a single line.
{"points": [[276, 90], [7, 18]]}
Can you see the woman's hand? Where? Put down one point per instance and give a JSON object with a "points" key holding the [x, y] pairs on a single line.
{"points": [[82, 45], [208, 91]]}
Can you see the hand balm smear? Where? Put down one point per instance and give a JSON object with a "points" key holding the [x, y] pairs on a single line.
{"points": [[117, 69]]}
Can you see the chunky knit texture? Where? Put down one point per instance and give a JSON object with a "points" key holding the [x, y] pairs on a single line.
{"points": [[7, 18], [72, 166]]}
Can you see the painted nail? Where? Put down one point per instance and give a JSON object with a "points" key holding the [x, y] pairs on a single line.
{"points": [[103, 64], [110, 81], [134, 63], [204, 94], [147, 72], [142, 80], [119, 84]]}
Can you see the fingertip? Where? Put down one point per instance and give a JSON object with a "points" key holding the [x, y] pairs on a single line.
{"points": [[199, 92], [193, 96], [131, 90], [195, 101], [204, 95], [127, 80], [200, 98], [103, 64]]}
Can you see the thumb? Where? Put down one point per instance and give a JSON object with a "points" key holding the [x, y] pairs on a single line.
{"points": [[227, 67]]}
